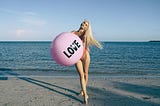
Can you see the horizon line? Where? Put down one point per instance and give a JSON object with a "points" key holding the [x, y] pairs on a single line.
{"points": [[99, 41]]}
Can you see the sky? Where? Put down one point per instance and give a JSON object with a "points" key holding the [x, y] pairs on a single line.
{"points": [[111, 20]]}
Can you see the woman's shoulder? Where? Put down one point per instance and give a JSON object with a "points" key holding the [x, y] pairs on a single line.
{"points": [[74, 32]]}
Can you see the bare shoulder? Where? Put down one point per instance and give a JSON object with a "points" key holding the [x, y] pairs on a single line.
{"points": [[73, 31]]}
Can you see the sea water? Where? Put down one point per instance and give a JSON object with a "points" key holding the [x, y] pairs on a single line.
{"points": [[116, 58]]}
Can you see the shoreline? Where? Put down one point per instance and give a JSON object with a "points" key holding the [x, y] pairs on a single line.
{"points": [[71, 74], [77, 76]]}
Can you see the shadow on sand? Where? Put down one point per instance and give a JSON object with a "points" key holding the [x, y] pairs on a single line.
{"points": [[147, 90], [42, 84], [102, 97], [97, 96]]}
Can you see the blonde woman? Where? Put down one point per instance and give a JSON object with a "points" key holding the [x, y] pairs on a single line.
{"points": [[82, 66]]}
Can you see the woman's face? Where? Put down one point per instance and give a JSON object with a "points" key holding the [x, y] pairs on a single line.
{"points": [[84, 25]]}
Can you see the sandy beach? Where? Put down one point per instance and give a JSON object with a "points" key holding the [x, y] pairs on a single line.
{"points": [[63, 91]]}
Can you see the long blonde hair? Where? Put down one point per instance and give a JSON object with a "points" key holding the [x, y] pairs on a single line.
{"points": [[89, 40]]}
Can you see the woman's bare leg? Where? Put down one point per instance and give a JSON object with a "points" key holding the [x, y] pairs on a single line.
{"points": [[86, 64], [79, 67]]}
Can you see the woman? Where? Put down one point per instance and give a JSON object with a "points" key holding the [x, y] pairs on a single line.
{"points": [[82, 66]]}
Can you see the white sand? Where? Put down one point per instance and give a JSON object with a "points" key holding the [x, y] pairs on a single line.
{"points": [[51, 91]]}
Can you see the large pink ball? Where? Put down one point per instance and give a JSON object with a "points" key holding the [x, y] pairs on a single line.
{"points": [[67, 49]]}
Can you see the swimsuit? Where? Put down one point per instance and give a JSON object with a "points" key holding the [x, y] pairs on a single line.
{"points": [[85, 49], [84, 52]]}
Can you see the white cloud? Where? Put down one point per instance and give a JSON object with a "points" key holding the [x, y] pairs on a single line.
{"points": [[29, 17], [9, 11], [28, 25], [14, 12], [33, 21], [31, 13], [20, 32], [23, 33]]}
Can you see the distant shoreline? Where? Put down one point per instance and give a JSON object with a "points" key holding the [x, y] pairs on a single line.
{"points": [[154, 41]]}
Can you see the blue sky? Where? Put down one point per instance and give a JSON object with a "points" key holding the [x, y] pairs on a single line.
{"points": [[111, 20]]}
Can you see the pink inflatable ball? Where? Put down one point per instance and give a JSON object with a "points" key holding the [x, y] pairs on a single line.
{"points": [[66, 49]]}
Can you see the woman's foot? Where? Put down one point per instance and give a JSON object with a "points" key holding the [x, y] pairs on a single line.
{"points": [[86, 99], [81, 93]]}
